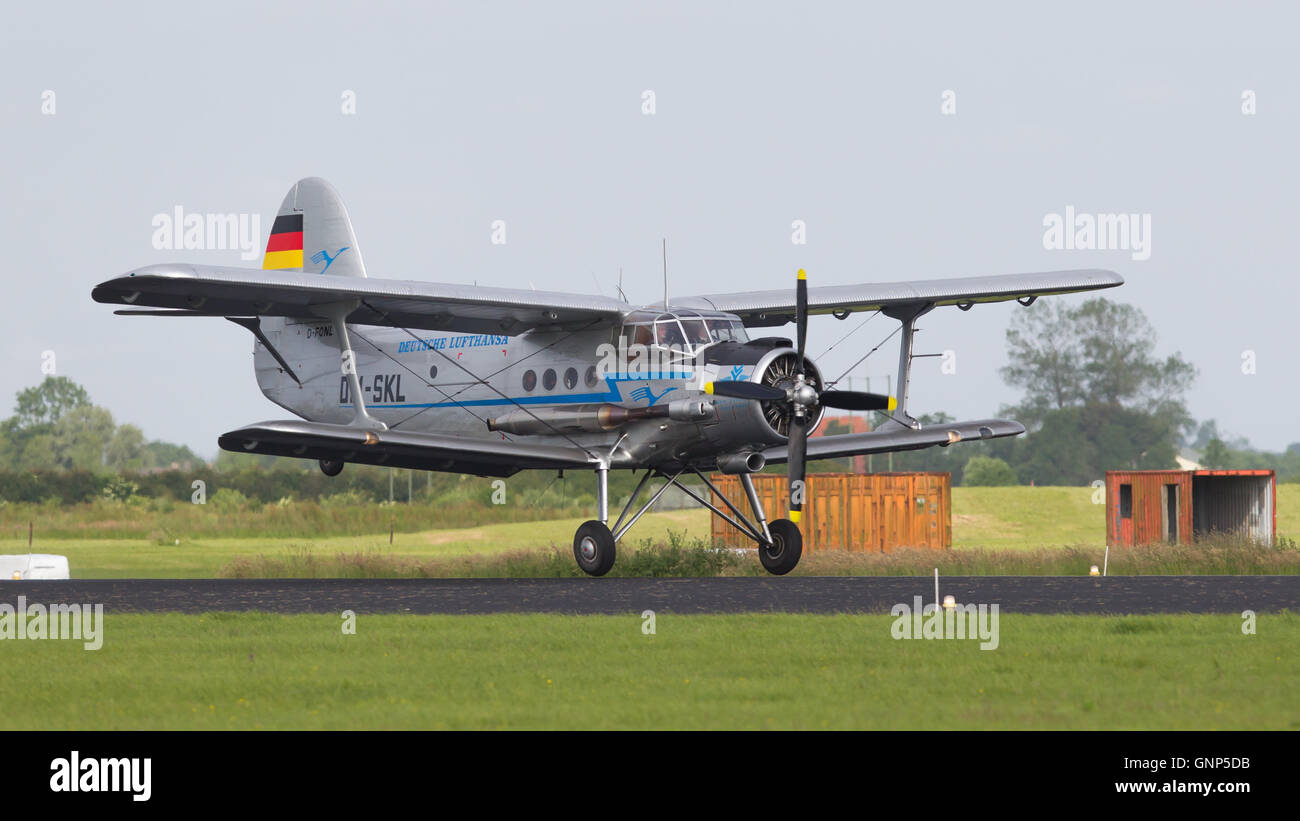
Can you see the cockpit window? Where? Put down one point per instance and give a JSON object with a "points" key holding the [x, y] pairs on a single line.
{"points": [[696, 332], [728, 330], [669, 332], [685, 332]]}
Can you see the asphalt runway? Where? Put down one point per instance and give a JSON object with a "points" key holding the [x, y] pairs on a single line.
{"points": [[838, 594]]}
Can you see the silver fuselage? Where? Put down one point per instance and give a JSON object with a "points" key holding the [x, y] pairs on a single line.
{"points": [[453, 383]]}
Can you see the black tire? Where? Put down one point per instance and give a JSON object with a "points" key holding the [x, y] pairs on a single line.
{"points": [[331, 467], [786, 550], [593, 548]]}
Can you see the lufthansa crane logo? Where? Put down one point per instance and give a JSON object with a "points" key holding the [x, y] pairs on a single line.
{"points": [[321, 256], [645, 393]]}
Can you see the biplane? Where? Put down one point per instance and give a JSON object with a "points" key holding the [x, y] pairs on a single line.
{"points": [[492, 381]]}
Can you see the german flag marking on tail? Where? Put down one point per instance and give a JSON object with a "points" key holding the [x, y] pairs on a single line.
{"points": [[284, 248]]}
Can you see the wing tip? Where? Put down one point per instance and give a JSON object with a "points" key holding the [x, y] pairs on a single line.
{"points": [[1112, 278]]}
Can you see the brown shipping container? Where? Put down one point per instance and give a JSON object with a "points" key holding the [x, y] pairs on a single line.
{"points": [[849, 511]]}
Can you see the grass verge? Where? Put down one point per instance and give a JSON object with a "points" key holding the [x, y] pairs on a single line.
{"points": [[104, 540], [680, 556], [205, 557]]}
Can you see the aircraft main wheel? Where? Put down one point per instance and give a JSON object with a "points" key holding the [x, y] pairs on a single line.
{"points": [[331, 467], [786, 549], [593, 547]]}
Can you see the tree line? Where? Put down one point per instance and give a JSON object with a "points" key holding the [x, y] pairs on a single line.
{"points": [[1096, 397]]}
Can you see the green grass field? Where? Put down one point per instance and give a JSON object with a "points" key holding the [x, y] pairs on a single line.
{"points": [[242, 671], [998, 519], [752, 671], [1019, 518], [204, 558]]}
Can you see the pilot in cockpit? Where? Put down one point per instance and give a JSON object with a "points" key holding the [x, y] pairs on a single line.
{"points": [[696, 332], [670, 333], [685, 335]]}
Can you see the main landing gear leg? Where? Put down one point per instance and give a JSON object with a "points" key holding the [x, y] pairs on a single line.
{"points": [[593, 544], [784, 546], [780, 545]]}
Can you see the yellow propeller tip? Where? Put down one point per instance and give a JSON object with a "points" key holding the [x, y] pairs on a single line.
{"points": [[794, 516], [708, 387], [893, 403], [802, 275]]}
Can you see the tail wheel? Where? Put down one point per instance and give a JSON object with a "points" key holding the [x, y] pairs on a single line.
{"points": [[593, 547], [786, 549], [331, 467]]}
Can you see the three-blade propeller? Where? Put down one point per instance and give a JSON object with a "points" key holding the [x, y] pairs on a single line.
{"points": [[802, 397]]}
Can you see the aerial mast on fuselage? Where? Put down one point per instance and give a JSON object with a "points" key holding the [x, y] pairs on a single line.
{"points": [[665, 273]]}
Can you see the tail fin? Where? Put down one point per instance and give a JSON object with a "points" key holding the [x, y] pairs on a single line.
{"points": [[312, 233]]}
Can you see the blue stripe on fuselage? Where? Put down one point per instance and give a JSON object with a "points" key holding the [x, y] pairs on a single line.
{"points": [[611, 395]]}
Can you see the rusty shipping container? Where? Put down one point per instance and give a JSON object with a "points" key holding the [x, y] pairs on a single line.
{"points": [[848, 511], [1179, 506]]}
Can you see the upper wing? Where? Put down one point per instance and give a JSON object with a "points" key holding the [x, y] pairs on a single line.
{"points": [[422, 451], [898, 438], [762, 308], [394, 302]]}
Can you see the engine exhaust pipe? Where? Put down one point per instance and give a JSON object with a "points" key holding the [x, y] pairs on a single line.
{"points": [[747, 462], [595, 418]]}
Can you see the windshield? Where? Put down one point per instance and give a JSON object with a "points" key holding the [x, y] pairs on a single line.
{"points": [[684, 334], [728, 330], [669, 332], [696, 332]]}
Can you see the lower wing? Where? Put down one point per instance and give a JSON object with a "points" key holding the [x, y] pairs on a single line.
{"points": [[898, 438], [421, 451]]}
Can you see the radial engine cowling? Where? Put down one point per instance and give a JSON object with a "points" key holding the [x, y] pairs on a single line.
{"points": [[754, 425]]}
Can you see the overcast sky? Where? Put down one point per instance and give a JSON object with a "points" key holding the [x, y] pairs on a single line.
{"points": [[763, 114]]}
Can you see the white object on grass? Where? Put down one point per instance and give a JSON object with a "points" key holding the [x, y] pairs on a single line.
{"points": [[27, 566]]}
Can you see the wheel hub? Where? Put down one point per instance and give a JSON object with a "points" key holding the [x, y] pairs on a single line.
{"points": [[776, 548]]}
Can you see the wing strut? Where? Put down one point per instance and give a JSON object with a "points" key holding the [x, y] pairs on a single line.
{"points": [[337, 313], [254, 324], [907, 315]]}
